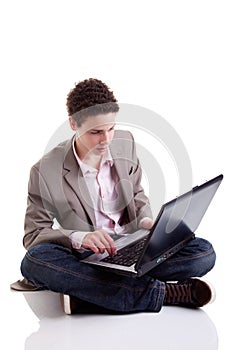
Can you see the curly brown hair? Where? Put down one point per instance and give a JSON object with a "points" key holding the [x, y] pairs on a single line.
{"points": [[90, 98]]}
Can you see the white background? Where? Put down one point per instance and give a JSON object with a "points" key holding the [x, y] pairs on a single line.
{"points": [[173, 57]]}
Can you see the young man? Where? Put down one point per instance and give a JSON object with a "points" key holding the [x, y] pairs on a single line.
{"points": [[91, 186]]}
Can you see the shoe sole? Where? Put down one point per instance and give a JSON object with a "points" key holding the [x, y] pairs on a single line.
{"points": [[66, 304]]}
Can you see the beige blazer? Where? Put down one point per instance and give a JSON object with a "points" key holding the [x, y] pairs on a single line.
{"points": [[59, 201]]}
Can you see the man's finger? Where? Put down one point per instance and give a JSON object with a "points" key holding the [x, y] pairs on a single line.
{"points": [[111, 248]]}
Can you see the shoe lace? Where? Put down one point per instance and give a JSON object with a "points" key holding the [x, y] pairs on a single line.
{"points": [[178, 293]]}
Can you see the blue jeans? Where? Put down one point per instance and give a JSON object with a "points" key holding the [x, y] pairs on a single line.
{"points": [[55, 268]]}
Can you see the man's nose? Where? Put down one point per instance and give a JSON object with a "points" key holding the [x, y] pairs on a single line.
{"points": [[104, 137]]}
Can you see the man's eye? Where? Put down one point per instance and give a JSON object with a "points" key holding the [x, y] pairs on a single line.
{"points": [[95, 132]]}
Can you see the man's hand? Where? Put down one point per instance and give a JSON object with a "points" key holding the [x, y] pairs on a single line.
{"points": [[146, 223], [99, 241]]}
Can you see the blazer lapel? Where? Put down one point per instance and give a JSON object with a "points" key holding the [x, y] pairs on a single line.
{"points": [[122, 164], [74, 177]]}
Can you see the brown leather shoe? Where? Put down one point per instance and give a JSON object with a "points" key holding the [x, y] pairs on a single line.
{"points": [[191, 292], [24, 286]]}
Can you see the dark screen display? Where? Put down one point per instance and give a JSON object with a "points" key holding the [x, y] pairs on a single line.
{"points": [[179, 219]]}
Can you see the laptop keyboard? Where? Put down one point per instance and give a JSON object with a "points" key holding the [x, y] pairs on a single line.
{"points": [[127, 256]]}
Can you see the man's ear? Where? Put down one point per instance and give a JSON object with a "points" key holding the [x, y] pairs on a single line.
{"points": [[73, 124]]}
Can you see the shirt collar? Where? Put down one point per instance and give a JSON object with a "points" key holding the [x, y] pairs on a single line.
{"points": [[107, 159]]}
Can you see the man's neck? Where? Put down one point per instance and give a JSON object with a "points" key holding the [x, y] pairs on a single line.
{"points": [[89, 158], [93, 160]]}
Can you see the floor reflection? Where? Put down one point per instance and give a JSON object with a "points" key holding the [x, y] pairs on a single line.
{"points": [[173, 328]]}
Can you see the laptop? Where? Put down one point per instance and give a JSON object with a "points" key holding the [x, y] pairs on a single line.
{"points": [[174, 227]]}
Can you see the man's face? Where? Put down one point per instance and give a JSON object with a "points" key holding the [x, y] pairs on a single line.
{"points": [[95, 134]]}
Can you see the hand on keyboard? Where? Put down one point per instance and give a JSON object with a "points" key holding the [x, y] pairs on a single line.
{"points": [[99, 241], [128, 255]]}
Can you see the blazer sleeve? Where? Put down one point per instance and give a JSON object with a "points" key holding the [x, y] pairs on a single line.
{"points": [[40, 215]]}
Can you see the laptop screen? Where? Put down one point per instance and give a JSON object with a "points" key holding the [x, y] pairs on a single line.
{"points": [[179, 219]]}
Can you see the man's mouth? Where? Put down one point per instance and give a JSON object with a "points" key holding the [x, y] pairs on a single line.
{"points": [[102, 149]]}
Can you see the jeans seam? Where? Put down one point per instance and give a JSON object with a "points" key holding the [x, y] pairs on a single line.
{"points": [[159, 302], [196, 256], [86, 277]]}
